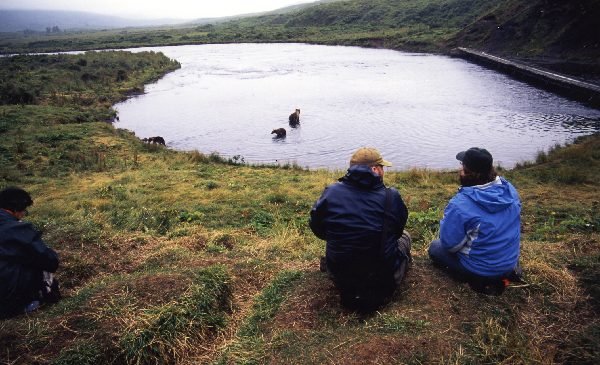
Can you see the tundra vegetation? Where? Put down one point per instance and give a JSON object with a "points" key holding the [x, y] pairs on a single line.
{"points": [[556, 34], [187, 257]]}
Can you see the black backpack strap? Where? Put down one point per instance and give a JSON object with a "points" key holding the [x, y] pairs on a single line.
{"points": [[386, 217]]}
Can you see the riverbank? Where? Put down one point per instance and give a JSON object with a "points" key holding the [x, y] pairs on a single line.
{"points": [[174, 257], [586, 92]]}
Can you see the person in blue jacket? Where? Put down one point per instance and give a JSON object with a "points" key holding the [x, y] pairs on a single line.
{"points": [[480, 231], [25, 260], [365, 257]]}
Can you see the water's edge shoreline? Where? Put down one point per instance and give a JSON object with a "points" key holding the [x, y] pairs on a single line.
{"points": [[563, 85]]}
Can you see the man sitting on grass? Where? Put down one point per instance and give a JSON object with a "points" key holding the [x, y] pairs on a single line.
{"points": [[368, 251], [25, 260], [480, 232]]}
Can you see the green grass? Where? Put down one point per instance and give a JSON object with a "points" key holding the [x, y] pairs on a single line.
{"points": [[166, 333], [175, 257], [248, 345]]}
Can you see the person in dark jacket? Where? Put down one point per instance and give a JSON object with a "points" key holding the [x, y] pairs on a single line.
{"points": [[25, 260], [365, 263], [480, 232]]}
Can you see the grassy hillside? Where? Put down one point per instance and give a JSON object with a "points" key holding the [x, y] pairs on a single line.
{"points": [[415, 24], [561, 35], [173, 257], [545, 31]]}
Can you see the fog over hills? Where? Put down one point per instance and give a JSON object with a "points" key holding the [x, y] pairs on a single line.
{"points": [[39, 20], [12, 20]]}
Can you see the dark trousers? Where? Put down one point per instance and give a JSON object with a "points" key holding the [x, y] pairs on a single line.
{"points": [[365, 291], [449, 262]]}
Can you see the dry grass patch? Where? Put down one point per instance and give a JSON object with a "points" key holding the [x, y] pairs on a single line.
{"points": [[315, 297]]}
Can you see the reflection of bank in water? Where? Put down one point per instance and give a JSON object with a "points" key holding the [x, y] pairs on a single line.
{"points": [[551, 81]]}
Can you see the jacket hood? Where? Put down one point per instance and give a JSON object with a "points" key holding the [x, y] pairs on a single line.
{"points": [[7, 217], [362, 176], [492, 197]]}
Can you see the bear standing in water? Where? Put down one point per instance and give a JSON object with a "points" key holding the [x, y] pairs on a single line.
{"points": [[295, 118]]}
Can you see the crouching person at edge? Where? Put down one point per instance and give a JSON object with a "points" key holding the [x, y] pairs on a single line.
{"points": [[367, 250], [480, 231], [26, 263]]}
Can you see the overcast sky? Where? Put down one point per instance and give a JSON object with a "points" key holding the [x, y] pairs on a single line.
{"points": [[184, 9]]}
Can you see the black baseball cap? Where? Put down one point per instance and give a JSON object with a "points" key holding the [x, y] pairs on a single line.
{"points": [[476, 159], [15, 199]]}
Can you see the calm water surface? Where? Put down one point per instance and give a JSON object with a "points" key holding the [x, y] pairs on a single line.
{"points": [[418, 109]]}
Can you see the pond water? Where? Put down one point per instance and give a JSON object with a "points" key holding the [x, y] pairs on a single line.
{"points": [[419, 110]]}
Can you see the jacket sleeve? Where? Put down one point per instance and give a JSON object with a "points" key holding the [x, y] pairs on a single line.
{"points": [[38, 254], [452, 228], [317, 217]]}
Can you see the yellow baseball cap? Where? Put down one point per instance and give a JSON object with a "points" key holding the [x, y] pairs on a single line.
{"points": [[368, 156]]}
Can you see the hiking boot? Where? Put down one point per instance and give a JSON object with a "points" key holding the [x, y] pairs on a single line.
{"points": [[488, 287], [33, 306], [516, 276]]}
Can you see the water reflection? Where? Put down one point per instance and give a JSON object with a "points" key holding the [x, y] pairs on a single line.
{"points": [[418, 109]]}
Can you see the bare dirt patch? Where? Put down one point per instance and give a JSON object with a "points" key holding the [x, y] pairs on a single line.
{"points": [[301, 310]]}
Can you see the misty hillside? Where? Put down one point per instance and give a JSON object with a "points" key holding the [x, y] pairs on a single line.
{"points": [[562, 35], [552, 28], [391, 13], [284, 10], [39, 20]]}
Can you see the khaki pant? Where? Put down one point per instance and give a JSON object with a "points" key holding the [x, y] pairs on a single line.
{"points": [[404, 244]]}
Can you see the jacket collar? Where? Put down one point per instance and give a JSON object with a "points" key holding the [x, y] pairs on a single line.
{"points": [[6, 216], [362, 176]]}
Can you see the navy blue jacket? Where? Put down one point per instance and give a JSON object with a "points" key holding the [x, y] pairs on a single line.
{"points": [[349, 216], [23, 258]]}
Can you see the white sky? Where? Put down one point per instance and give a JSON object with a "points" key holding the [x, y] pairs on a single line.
{"points": [[184, 9]]}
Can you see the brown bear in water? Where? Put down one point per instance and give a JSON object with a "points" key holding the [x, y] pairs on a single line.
{"points": [[279, 132], [155, 140], [295, 118]]}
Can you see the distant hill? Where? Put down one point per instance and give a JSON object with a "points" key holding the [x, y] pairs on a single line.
{"points": [[279, 11], [544, 30], [549, 28], [390, 13], [39, 20], [557, 34]]}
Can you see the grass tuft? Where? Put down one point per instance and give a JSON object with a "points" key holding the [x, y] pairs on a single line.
{"points": [[81, 353], [248, 344], [165, 334]]}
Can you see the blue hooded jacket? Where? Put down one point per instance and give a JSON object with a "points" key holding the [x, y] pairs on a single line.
{"points": [[482, 225], [349, 216]]}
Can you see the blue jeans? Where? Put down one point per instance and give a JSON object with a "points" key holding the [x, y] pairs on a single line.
{"points": [[447, 260]]}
